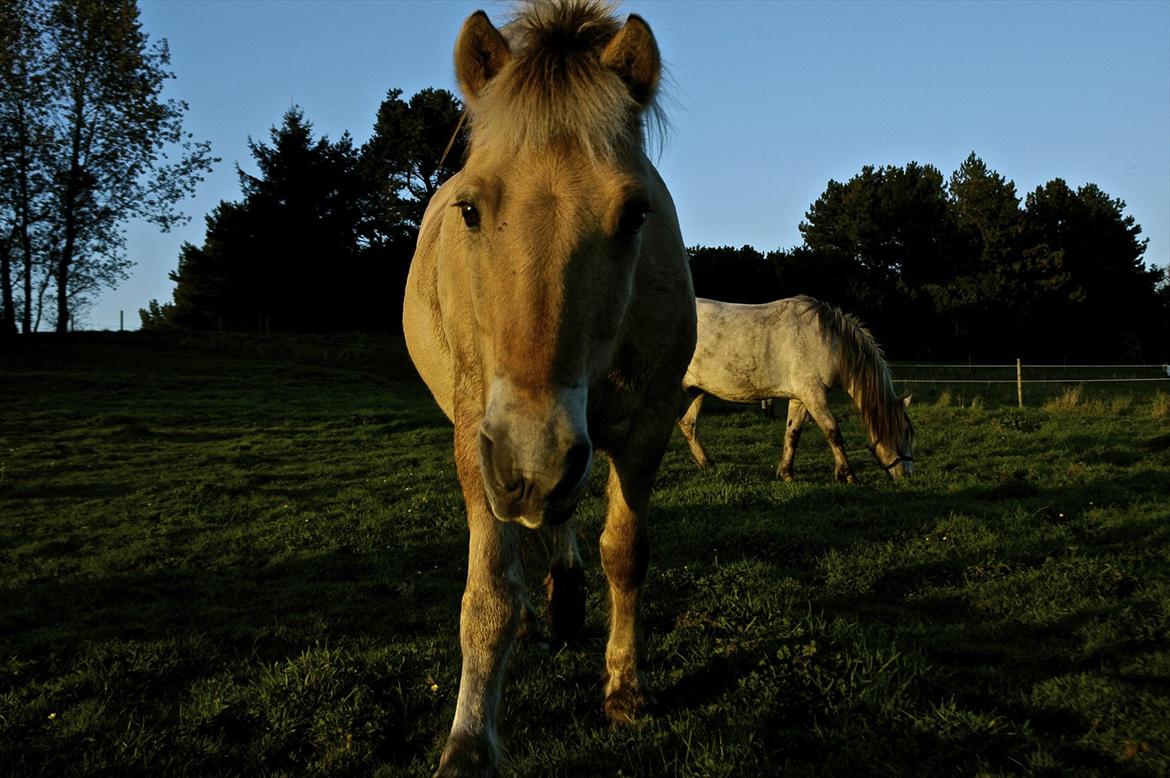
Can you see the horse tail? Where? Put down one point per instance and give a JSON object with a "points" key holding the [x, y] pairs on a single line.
{"points": [[864, 372]]}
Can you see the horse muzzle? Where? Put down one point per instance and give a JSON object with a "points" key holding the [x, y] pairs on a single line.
{"points": [[534, 464]]}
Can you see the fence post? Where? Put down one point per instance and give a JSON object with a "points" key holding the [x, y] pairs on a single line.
{"points": [[1019, 383], [121, 321]]}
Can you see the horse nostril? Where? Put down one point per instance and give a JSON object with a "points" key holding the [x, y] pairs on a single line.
{"points": [[577, 461], [491, 470]]}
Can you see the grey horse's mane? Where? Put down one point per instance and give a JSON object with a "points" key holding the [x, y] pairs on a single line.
{"points": [[555, 88], [865, 373]]}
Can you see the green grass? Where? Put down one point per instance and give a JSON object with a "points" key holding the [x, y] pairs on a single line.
{"points": [[244, 556]]}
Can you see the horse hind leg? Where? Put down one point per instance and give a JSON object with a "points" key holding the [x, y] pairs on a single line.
{"points": [[688, 426], [818, 408], [797, 415], [564, 587]]}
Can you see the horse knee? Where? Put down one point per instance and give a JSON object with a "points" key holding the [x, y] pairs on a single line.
{"points": [[625, 557], [490, 620]]}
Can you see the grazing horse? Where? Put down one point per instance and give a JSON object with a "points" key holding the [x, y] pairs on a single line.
{"points": [[798, 348], [550, 311]]}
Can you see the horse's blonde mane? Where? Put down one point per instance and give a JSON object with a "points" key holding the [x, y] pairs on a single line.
{"points": [[864, 372], [555, 89]]}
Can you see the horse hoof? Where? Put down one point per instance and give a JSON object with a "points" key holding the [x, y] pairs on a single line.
{"points": [[622, 706], [565, 589], [466, 757]]}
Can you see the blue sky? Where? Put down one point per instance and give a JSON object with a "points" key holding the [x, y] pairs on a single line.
{"points": [[767, 100]]}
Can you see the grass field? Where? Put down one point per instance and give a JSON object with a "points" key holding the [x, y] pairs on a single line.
{"points": [[243, 556]]}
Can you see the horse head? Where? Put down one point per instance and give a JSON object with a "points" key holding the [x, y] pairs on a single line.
{"points": [[547, 221], [895, 452]]}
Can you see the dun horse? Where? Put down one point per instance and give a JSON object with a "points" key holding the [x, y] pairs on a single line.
{"points": [[550, 311], [798, 348]]}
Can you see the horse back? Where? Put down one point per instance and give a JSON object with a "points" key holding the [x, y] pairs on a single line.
{"points": [[747, 353]]}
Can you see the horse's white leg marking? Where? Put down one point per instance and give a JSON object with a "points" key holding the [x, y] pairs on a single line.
{"points": [[488, 624]]}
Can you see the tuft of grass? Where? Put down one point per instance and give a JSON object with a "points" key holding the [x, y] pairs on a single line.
{"points": [[1068, 400], [1161, 406], [1075, 400]]}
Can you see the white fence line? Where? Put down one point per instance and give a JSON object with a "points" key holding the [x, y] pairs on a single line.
{"points": [[973, 366], [1019, 380], [1026, 381]]}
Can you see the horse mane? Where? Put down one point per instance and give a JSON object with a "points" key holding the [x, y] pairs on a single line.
{"points": [[555, 88], [864, 371]]}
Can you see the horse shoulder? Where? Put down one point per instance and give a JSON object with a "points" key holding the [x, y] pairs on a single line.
{"points": [[423, 324]]}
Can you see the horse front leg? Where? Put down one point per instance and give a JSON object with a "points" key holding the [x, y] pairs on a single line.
{"points": [[796, 418], [688, 426], [818, 408], [625, 555], [488, 623]]}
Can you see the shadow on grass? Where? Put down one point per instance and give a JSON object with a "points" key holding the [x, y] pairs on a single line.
{"points": [[234, 670]]}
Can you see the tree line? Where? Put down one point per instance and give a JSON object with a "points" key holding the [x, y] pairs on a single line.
{"points": [[322, 236], [945, 268], [939, 268], [961, 268], [87, 143]]}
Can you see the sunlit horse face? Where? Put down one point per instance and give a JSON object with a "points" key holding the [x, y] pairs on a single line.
{"points": [[896, 456], [550, 223]]}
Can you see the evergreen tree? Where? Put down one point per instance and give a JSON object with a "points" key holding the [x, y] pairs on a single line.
{"points": [[287, 257], [416, 146], [323, 235], [1092, 295], [891, 232], [982, 299]]}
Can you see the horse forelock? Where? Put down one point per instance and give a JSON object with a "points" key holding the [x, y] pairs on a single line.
{"points": [[555, 89], [866, 374]]}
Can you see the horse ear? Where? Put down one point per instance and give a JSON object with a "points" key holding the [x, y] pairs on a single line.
{"points": [[633, 55], [906, 401], [480, 53]]}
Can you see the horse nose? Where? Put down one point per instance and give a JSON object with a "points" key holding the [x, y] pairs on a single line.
{"points": [[506, 486], [515, 491]]}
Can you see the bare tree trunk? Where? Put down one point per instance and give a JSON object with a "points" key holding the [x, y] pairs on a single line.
{"points": [[8, 317], [41, 289], [69, 210], [27, 258], [24, 219]]}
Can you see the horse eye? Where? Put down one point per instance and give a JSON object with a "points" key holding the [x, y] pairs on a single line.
{"points": [[470, 215], [632, 219]]}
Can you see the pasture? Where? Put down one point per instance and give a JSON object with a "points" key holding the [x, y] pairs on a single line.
{"points": [[223, 555]]}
